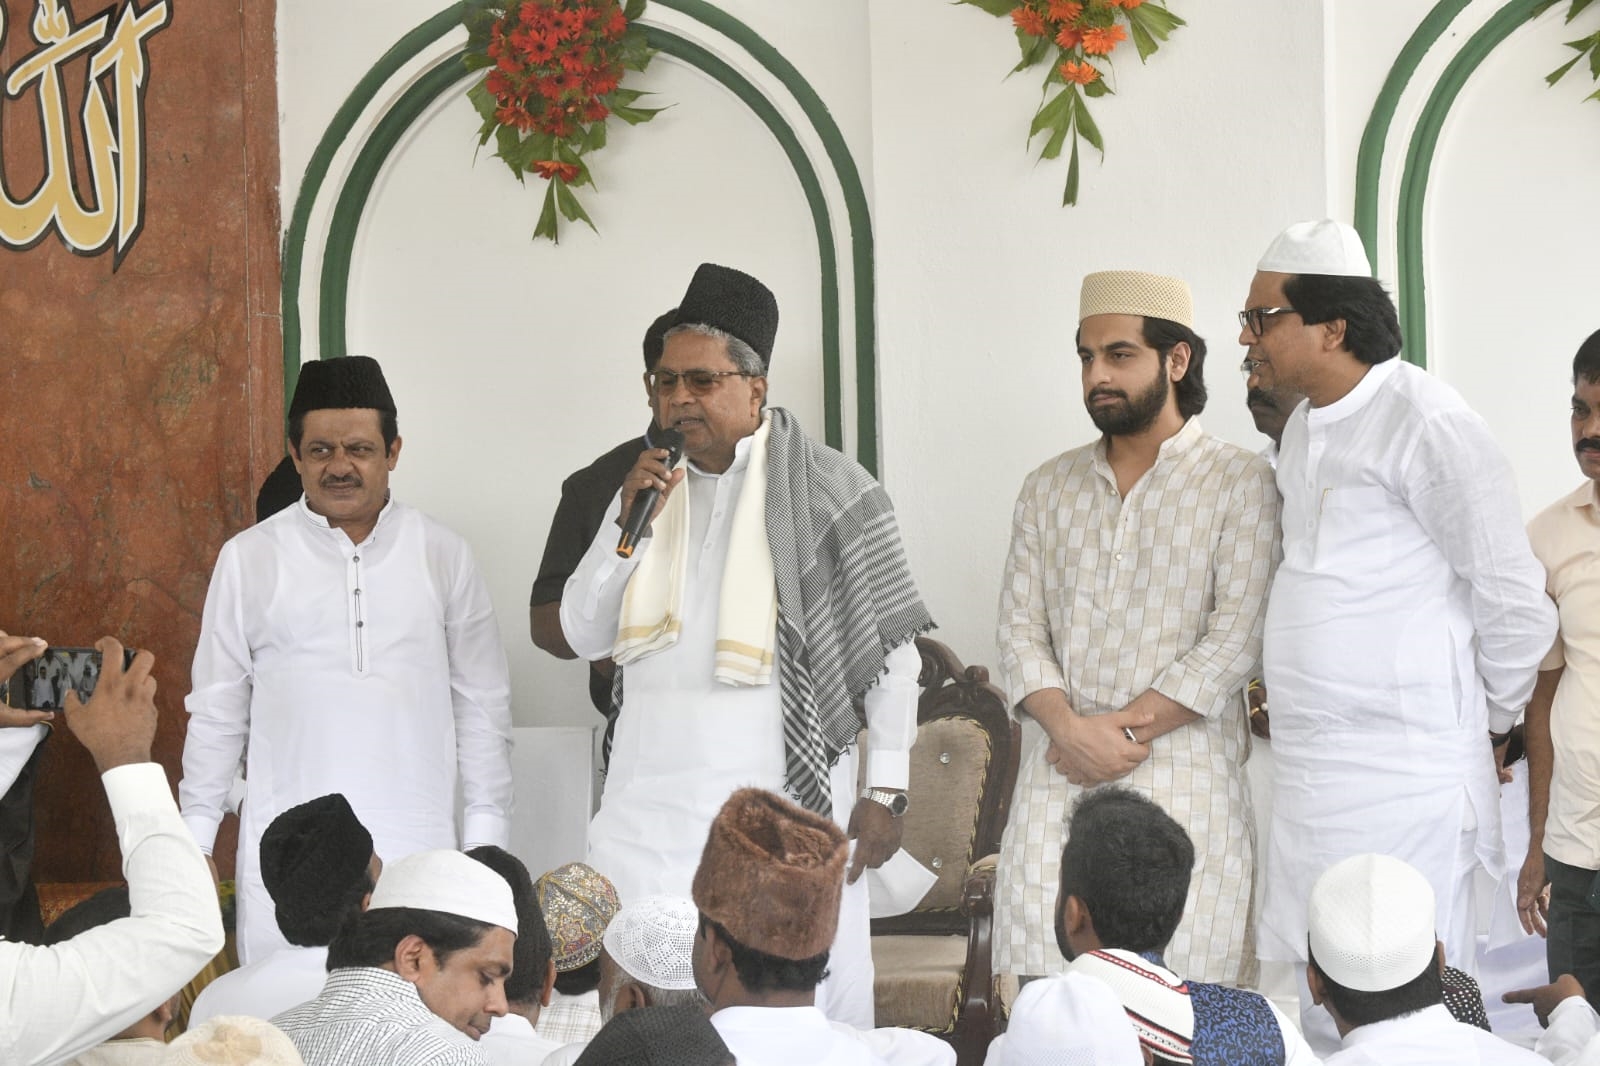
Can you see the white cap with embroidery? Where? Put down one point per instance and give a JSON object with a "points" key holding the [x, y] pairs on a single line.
{"points": [[1320, 247], [1371, 923]]}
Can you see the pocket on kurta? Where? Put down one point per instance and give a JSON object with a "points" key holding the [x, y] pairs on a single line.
{"points": [[1355, 528]]}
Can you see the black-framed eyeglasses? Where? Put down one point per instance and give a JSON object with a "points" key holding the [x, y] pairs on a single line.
{"points": [[699, 382], [1254, 319]]}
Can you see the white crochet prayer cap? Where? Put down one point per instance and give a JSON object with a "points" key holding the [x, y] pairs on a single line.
{"points": [[449, 882], [1069, 1020], [1320, 247], [233, 1041], [1158, 1005], [1134, 292], [653, 941], [1371, 923]]}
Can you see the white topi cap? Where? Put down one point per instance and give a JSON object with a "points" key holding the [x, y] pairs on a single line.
{"points": [[1135, 292], [1371, 923], [1320, 247], [653, 941], [449, 882], [233, 1041], [1070, 1018]]}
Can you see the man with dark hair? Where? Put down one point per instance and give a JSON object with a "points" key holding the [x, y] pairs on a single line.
{"points": [[319, 868], [1377, 965], [1130, 619], [766, 617], [348, 645], [585, 495], [1125, 874], [511, 1039], [1564, 779], [144, 1042], [417, 977], [1408, 618], [768, 890], [61, 1000]]}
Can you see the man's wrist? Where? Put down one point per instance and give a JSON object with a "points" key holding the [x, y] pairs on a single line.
{"points": [[895, 800]]}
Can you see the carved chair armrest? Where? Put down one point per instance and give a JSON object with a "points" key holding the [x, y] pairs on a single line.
{"points": [[977, 891], [977, 1017]]}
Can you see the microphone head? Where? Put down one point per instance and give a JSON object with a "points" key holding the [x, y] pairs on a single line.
{"points": [[672, 440]]}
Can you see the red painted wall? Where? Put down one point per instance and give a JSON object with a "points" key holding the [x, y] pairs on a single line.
{"points": [[144, 404]]}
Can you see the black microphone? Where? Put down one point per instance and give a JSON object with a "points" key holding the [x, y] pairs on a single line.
{"points": [[644, 501]]}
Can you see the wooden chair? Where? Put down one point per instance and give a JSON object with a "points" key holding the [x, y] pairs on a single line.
{"points": [[934, 970]]}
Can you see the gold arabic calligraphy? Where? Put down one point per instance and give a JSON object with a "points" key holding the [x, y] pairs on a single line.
{"points": [[115, 145]]}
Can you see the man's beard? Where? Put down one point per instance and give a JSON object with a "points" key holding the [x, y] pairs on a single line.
{"points": [[1135, 415]]}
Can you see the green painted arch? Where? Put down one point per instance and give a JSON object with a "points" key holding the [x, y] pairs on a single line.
{"points": [[1424, 143], [333, 283]]}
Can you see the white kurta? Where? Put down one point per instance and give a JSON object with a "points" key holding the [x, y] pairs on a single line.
{"points": [[1406, 621], [372, 669], [788, 1036], [267, 987], [685, 742], [1428, 1037]]}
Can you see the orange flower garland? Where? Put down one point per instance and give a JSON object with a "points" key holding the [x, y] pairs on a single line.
{"points": [[1066, 35], [555, 68]]}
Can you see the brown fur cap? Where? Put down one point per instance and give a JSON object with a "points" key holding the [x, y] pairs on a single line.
{"points": [[771, 875]]}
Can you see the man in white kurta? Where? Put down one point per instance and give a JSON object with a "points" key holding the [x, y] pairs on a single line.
{"points": [[685, 739], [1132, 601], [1408, 617], [348, 645]]}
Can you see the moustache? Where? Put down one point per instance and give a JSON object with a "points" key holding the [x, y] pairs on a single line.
{"points": [[1097, 394], [1587, 444], [341, 482]]}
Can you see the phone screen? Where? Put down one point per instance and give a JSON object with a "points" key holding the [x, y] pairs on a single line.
{"points": [[43, 684]]}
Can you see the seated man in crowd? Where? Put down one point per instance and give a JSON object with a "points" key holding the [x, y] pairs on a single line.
{"points": [[58, 1001], [1125, 873], [1377, 965], [145, 1040], [651, 1036], [319, 868], [511, 1038], [768, 889], [415, 980], [578, 903], [645, 961]]}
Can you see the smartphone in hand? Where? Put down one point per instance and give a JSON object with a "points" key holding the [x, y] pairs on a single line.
{"points": [[43, 684]]}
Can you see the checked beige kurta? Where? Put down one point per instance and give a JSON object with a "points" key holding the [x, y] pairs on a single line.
{"points": [[1106, 598]]}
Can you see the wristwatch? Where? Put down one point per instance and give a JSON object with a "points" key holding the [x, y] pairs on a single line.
{"points": [[895, 801]]}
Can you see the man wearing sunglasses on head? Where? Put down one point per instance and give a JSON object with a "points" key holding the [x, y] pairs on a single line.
{"points": [[1408, 617], [769, 595]]}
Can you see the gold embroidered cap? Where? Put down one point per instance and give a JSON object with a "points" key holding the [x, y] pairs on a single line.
{"points": [[578, 903], [1135, 292]]}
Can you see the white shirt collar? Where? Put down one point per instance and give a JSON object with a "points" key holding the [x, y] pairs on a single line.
{"points": [[321, 522], [1434, 1017], [1357, 398], [741, 455]]}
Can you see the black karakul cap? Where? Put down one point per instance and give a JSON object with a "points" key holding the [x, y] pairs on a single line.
{"points": [[346, 381], [655, 338], [312, 853], [657, 1036], [734, 302]]}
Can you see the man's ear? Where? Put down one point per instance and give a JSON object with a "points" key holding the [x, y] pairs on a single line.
{"points": [[1178, 361], [411, 957], [630, 996], [1319, 991], [1438, 955], [758, 391], [1333, 334], [394, 452]]}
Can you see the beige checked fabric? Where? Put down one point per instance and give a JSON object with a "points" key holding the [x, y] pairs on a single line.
{"points": [[1105, 598]]}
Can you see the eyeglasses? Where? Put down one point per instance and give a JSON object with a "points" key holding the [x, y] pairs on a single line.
{"points": [[1254, 319], [699, 382], [1250, 366]]}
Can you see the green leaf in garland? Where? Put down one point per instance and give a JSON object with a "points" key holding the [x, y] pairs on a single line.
{"points": [[998, 8], [482, 101], [476, 60], [635, 115], [1069, 196], [595, 138], [1088, 130], [1142, 40], [1157, 20], [547, 217], [633, 9], [1577, 8], [1594, 55], [1060, 129], [1558, 73], [508, 146], [1052, 114], [1034, 50], [571, 210], [1096, 89]]}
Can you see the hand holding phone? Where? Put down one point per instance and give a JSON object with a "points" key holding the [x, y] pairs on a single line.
{"points": [[16, 652], [42, 684], [118, 724]]}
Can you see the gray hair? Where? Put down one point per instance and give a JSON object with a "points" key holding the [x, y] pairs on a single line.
{"points": [[744, 357], [659, 997]]}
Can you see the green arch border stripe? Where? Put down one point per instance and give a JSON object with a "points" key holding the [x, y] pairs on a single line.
{"points": [[1419, 163], [1369, 159], [857, 212], [334, 282], [448, 72]]}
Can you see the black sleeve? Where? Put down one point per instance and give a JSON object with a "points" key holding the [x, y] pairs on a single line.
{"points": [[584, 499]]}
